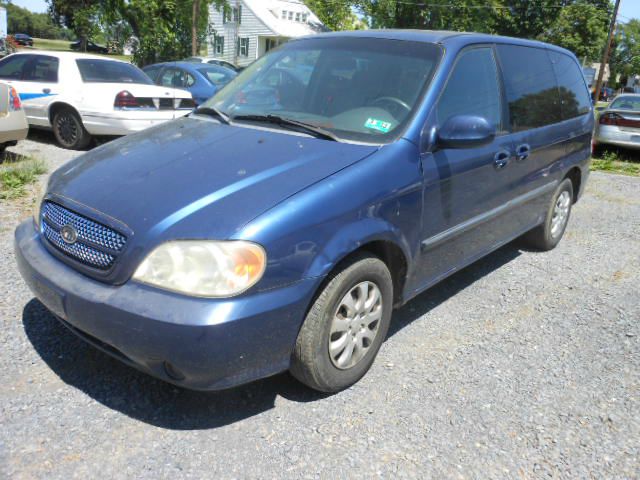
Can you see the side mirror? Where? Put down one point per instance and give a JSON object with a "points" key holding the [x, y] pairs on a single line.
{"points": [[465, 131]]}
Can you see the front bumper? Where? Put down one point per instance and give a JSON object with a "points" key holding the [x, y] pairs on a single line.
{"points": [[201, 344]]}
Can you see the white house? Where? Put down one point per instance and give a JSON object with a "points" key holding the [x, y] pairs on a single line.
{"points": [[246, 29]]}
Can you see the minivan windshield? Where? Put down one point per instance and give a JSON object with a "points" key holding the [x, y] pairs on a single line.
{"points": [[358, 89]]}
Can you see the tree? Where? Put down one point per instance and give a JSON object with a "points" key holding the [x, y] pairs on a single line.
{"points": [[625, 57], [517, 18], [336, 15], [581, 28], [81, 16]]}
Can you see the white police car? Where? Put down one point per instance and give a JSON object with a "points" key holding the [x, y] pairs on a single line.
{"points": [[79, 95]]}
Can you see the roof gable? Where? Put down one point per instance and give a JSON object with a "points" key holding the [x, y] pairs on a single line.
{"points": [[270, 13]]}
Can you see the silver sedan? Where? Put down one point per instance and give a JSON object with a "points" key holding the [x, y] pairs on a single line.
{"points": [[619, 123]]}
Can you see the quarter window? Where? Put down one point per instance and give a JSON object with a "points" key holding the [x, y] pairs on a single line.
{"points": [[574, 96], [531, 88], [472, 88]]}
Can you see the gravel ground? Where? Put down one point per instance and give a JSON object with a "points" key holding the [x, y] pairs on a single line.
{"points": [[524, 365]]}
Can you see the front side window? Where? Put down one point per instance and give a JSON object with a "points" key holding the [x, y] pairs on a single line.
{"points": [[574, 96], [30, 68], [176, 78], [360, 89], [108, 71], [11, 67], [531, 88], [473, 89]]}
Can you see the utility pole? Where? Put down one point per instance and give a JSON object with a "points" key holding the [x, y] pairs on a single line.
{"points": [[607, 48]]}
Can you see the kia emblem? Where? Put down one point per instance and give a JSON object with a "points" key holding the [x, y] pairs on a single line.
{"points": [[69, 234]]}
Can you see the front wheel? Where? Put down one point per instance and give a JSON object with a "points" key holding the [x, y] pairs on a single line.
{"points": [[69, 130], [345, 327], [548, 235]]}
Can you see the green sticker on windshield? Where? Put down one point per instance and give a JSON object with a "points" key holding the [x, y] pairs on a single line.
{"points": [[379, 125]]}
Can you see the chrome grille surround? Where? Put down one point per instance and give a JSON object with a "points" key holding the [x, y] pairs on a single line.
{"points": [[96, 246]]}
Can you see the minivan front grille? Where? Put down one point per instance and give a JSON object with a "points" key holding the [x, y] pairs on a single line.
{"points": [[95, 244]]}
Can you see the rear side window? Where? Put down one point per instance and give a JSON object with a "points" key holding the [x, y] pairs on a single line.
{"points": [[473, 88], [108, 71], [41, 69], [531, 88], [574, 97]]}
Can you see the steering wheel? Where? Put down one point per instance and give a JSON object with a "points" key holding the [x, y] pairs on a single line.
{"points": [[392, 100]]}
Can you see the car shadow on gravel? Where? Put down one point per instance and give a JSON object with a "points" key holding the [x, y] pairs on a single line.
{"points": [[139, 396], [41, 135]]}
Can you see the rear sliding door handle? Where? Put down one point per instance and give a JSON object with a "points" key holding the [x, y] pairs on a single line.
{"points": [[501, 159], [522, 152]]}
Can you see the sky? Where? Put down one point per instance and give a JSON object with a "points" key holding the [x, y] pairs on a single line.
{"points": [[628, 8]]}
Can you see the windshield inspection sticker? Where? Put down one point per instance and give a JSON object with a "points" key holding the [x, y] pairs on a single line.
{"points": [[379, 125]]}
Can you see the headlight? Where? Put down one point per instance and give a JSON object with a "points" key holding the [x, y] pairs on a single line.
{"points": [[203, 268]]}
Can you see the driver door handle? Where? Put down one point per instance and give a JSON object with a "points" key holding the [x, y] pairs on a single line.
{"points": [[501, 159], [522, 152]]}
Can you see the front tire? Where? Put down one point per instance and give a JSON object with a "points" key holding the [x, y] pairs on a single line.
{"points": [[547, 236], [69, 130], [346, 326]]}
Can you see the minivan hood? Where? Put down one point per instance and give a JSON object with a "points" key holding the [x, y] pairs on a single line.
{"points": [[196, 178]]}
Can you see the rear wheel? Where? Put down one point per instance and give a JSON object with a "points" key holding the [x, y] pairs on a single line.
{"points": [[69, 130], [345, 327], [548, 235]]}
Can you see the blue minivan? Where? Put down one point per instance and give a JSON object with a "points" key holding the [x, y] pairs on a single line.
{"points": [[337, 177]]}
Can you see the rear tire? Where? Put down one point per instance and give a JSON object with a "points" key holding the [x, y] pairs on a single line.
{"points": [[345, 326], [547, 236], [69, 130]]}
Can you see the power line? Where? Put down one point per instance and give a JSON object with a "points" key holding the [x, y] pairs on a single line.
{"points": [[454, 6]]}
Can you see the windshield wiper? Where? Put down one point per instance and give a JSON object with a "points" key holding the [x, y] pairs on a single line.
{"points": [[213, 112], [317, 132]]}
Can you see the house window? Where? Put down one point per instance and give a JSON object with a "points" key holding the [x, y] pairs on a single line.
{"points": [[284, 15], [233, 14], [218, 45], [290, 15], [297, 16], [304, 17], [243, 47]]}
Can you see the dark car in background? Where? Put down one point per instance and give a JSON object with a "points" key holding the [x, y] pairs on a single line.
{"points": [[278, 232], [201, 79], [91, 47], [23, 39]]}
